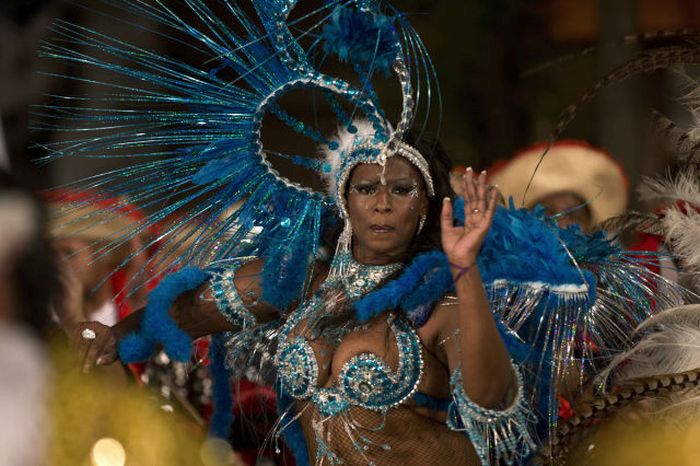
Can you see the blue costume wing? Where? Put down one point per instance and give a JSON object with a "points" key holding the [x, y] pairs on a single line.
{"points": [[564, 300]]}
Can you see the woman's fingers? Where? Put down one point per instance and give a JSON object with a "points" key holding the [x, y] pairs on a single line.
{"points": [[446, 215], [469, 196], [101, 352], [95, 342], [476, 197], [481, 195]]}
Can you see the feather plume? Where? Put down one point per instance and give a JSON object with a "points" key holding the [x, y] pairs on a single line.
{"points": [[683, 187], [634, 220], [646, 62], [684, 143], [670, 343], [683, 315], [683, 235], [362, 39], [345, 139]]}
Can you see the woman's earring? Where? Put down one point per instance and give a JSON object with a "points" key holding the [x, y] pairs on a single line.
{"points": [[421, 223]]}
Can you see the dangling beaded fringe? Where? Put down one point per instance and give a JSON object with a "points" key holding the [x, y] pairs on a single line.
{"points": [[344, 247], [497, 435]]}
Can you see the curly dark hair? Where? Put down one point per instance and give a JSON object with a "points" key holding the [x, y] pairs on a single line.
{"points": [[440, 166]]}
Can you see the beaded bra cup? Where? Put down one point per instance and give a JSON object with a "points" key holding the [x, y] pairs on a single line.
{"points": [[365, 380]]}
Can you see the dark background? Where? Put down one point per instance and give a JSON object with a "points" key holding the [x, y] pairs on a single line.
{"points": [[497, 97]]}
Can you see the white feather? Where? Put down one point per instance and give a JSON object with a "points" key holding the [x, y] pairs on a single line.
{"points": [[692, 102], [688, 315], [683, 236], [684, 187], [670, 344], [345, 140]]}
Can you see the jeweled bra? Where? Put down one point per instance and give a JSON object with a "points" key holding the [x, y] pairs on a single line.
{"points": [[365, 380]]}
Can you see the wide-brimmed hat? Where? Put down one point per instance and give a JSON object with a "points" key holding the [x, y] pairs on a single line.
{"points": [[569, 166]]}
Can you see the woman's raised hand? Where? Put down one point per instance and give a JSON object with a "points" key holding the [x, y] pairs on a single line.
{"points": [[462, 243]]}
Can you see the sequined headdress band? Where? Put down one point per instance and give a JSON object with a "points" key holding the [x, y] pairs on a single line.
{"points": [[357, 146], [360, 147]]}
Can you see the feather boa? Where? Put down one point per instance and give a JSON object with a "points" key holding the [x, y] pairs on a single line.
{"points": [[394, 294], [157, 326], [432, 403]]}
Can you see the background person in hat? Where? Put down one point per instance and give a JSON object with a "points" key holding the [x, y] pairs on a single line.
{"points": [[97, 286], [575, 181]]}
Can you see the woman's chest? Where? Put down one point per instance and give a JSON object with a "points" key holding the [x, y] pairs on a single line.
{"points": [[375, 366]]}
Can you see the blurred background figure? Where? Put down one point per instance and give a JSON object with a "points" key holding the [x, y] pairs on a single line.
{"points": [[52, 413], [27, 283], [97, 284], [576, 183]]}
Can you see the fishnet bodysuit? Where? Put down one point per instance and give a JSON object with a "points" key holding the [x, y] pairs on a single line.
{"points": [[414, 435]]}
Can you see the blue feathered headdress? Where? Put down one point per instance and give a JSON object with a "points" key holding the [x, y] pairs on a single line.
{"points": [[191, 133]]}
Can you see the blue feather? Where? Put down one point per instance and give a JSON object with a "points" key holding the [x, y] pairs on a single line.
{"points": [[522, 247], [157, 326], [431, 402], [363, 39], [389, 296], [285, 270]]}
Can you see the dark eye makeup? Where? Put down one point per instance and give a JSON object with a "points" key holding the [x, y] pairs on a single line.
{"points": [[399, 188]]}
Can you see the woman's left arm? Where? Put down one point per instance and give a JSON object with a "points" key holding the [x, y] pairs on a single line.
{"points": [[487, 372], [487, 393]]}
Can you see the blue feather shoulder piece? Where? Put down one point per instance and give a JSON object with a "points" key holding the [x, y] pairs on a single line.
{"points": [[523, 248], [564, 298]]}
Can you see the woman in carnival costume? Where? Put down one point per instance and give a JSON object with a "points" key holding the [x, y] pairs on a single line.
{"points": [[451, 323]]}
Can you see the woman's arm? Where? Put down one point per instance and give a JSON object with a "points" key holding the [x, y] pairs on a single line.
{"points": [[480, 352], [487, 393], [195, 312]]}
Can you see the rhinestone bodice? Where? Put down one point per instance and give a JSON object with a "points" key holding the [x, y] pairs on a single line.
{"points": [[365, 380]]}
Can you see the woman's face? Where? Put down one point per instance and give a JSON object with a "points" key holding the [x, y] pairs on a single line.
{"points": [[385, 205]]}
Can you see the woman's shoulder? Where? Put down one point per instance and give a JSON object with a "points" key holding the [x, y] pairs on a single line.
{"points": [[440, 321]]}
